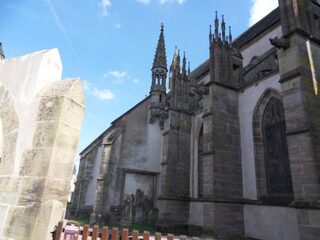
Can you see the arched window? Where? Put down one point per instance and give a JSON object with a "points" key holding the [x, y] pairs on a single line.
{"points": [[275, 149], [271, 149], [200, 164]]}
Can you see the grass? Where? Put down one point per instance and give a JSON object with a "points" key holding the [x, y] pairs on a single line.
{"points": [[80, 221], [144, 227], [140, 227]]}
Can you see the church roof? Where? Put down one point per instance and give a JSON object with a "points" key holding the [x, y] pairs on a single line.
{"points": [[258, 28]]}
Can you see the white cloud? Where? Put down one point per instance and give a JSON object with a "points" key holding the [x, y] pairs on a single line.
{"points": [[103, 94], [136, 81], [260, 8], [118, 26], [144, 1], [105, 4], [118, 76]]}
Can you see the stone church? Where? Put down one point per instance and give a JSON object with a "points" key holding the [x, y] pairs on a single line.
{"points": [[230, 149]]}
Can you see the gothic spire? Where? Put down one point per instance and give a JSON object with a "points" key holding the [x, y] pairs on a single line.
{"points": [[184, 67], [210, 34], [160, 59], [230, 36], [216, 31], [176, 60], [1, 52], [223, 29]]}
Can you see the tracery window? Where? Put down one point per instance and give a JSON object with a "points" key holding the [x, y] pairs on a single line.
{"points": [[275, 149], [272, 163]]}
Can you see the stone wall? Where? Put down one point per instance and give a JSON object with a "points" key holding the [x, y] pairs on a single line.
{"points": [[271, 223], [41, 118]]}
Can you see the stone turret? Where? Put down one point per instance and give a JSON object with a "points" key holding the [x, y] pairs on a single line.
{"points": [[220, 149], [225, 61], [158, 87], [1, 52], [179, 95]]}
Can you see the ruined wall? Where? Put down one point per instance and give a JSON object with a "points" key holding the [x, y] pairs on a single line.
{"points": [[124, 159], [135, 156], [41, 118]]}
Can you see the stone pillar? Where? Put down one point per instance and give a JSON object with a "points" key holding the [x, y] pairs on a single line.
{"points": [[300, 70], [299, 61], [175, 173], [222, 175], [107, 147], [173, 202], [41, 118]]}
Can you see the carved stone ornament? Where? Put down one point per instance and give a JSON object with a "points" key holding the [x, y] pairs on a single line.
{"points": [[199, 89], [160, 114], [280, 43]]}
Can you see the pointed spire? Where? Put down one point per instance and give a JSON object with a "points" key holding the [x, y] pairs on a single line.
{"points": [[184, 67], [160, 59], [223, 29], [176, 60], [210, 34], [1, 52], [230, 36], [216, 31]]}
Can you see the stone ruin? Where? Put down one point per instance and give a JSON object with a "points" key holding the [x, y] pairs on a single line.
{"points": [[138, 208], [40, 119]]}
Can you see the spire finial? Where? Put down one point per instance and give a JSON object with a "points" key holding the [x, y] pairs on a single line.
{"points": [[1, 52], [184, 67], [216, 31], [175, 60], [160, 59], [230, 36], [223, 28], [210, 34]]}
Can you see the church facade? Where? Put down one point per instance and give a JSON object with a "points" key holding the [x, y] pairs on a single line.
{"points": [[230, 149]]}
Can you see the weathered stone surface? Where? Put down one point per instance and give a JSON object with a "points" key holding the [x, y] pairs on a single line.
{"points": [[271, 223], [40, 125], [51, 212]]}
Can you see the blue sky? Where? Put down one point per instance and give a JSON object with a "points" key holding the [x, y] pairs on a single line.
{"points": [[110, 44]]}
